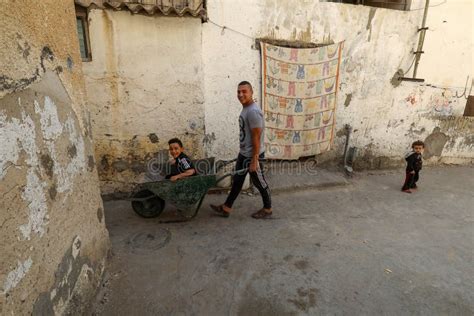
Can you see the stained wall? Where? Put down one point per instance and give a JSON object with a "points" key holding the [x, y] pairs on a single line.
{"points": [[53, 237], [144, 86]]}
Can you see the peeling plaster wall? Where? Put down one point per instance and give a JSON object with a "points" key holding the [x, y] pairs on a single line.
{"points": [[155, 77], [145, 86], [53, 237], [386, 115]]}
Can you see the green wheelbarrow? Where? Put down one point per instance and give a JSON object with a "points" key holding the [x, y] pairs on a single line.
{"points": [[185, 194]]}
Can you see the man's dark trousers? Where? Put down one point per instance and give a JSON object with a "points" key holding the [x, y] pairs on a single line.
{"points": [[257, 177]]}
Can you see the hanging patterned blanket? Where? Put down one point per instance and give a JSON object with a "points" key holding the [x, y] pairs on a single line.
{"points": [[299, 99]]}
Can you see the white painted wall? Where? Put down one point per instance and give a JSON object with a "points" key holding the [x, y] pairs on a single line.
{"points": [[378, 42], [145, 77], [145, 73], [448, 57], [172, 76]]}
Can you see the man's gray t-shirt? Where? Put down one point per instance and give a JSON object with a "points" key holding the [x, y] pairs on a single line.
{"points": [[250, 117]]}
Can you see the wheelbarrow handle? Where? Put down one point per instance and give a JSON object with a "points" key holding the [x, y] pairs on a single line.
{"points": [[226, 162], [222, 163], [241, 171]]}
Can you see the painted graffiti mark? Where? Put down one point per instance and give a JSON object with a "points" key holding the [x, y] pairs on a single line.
{"points": [[411, 99], [415, 97], [434, 101], [458, 123], [441, 103]]}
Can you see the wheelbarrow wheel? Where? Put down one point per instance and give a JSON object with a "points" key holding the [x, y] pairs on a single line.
{"points": [[149, 205]]}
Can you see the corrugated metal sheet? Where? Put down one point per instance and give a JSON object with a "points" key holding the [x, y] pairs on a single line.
{"points": [[167, 7]]}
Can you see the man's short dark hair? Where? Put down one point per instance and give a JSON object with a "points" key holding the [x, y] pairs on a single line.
{"points": [[418, 143], [175, 141], [245, 83]]}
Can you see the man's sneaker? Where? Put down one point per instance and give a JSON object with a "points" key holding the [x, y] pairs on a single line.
{"points": [[262, 214], [220, 210]]}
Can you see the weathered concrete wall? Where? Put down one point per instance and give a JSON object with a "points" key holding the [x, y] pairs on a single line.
{"points": [[53, 238], [152, 78], [145, 86], [386, 115]]}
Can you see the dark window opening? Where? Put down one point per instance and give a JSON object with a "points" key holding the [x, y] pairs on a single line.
{"points": [[403, 5], [469, 110], [83, 33]]}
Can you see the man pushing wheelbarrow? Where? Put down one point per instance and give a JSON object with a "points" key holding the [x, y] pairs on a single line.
{"points": [[252, 150], [188, 183]]}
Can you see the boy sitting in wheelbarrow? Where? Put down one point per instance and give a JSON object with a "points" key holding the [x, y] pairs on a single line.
{"points": [[183, 167]]}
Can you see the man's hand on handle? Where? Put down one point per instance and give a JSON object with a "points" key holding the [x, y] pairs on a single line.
{"points": [[253, 164]]}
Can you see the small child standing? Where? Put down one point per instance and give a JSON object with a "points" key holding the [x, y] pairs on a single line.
{"points": [[183, 167], [414, 163]]}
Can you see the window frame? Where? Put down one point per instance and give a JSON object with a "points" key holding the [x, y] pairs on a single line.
{"points": [[81, 14]]}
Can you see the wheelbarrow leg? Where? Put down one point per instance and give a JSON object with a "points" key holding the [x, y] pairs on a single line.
{"points": [[196, 210]]}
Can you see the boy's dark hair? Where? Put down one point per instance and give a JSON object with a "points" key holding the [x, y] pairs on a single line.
{"points": [[418, 143], [175, 141], [244, 83]]}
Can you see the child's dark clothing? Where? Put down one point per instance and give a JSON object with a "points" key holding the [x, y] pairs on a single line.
{"points": [[182, 164], [414, 163]]}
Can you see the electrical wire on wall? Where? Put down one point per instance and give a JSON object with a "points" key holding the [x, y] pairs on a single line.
{"points": [[456, 95], [411, 65], [223, 28], [431, 6]]}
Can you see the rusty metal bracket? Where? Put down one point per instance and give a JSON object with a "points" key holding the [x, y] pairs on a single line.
{"points": [[411, 79]]}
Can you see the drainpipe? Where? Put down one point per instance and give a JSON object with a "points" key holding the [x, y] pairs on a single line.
{"points": [[346, 151], [348, 129], [421, 40]]}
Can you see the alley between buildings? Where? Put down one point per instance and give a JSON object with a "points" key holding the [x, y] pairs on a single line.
{"points": [[362, 249]]}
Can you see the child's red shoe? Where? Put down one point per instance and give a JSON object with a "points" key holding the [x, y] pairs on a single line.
{"points": [[407, 191]]}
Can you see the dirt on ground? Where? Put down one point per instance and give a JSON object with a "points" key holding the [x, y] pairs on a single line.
{"points": [[364, 248]]}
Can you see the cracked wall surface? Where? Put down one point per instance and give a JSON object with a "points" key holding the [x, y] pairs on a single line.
{"points": [[53, 237], [386, 114], [179, 77]]}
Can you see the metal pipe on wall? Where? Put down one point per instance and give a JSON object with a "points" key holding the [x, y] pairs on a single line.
{"points": [[421, 40], [348, 167], [346, 146]]}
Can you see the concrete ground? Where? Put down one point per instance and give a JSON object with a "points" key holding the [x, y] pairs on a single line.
{"points": [[360, 249]]}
